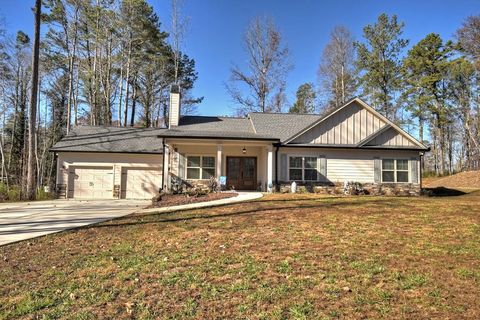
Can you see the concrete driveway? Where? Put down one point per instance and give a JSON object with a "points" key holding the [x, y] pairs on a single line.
{"points": [[25, 220]]}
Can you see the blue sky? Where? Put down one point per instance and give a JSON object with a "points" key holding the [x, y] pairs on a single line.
{"points": [[216, 28]]}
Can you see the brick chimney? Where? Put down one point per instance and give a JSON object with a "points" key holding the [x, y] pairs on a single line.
{"points": [[174, 111]]}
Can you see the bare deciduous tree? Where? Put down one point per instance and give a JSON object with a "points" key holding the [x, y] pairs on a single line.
{"points": [[179, 28], [336, 72], [268, 65], [468, 37]]}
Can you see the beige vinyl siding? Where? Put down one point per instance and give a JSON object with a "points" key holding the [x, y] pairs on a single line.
{"points": [[391, 138], [352, 125], [350, 164], [359, 170], [349, 126]]}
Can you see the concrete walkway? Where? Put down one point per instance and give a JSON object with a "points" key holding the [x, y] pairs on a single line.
{"points": [[242, 196], [26, 220]]}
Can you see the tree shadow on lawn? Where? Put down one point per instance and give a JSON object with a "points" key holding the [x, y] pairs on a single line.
{"points": [[443, 192], [156, 218]]}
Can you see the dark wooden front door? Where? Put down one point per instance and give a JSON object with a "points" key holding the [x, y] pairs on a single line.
{"points": [[242, 173]]}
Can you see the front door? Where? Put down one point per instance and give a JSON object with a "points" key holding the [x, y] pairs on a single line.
{"points": [[242, 173]]}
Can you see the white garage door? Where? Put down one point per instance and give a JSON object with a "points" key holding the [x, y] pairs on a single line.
{"points": [[91, 183], [141, 183]]}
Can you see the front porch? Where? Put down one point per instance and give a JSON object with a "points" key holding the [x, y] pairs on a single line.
{"points": [[247, 165]]}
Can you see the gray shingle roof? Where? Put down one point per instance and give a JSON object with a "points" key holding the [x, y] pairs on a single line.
{"points": [[111, 139], [259, 126], [216, 127], [281, 125]]}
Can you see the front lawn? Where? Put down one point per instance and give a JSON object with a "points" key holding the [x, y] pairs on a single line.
{"points": [[284, 257]]}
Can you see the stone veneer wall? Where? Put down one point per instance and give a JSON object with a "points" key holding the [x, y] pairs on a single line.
{"points": [[61, 191], [116, 191], [387, 189]]}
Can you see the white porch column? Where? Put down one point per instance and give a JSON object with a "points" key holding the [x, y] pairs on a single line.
{"points": [[269, 168], [218, 167], [166, 168]]}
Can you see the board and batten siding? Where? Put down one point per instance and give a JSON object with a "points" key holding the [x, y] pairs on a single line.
{"points": [[350, 126], [353, 164], [391, 138]]}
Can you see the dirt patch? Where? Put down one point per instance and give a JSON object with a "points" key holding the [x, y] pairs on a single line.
{"points": [[169, 200], [461, 180]]}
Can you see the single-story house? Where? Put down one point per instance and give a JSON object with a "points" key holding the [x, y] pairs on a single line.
{"points": [[261, 151]]}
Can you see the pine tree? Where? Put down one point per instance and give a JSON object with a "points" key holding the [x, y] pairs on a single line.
{"points": [[426, 69], [380, 63], [305, 102]]}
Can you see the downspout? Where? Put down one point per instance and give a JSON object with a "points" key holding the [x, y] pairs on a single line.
{"points": [[55, 191], [421, 173], [163, 164], [277, 147]]}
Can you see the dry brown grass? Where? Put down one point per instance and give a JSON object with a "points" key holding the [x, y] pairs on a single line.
{"points": [[284, 257], [465, 180]]}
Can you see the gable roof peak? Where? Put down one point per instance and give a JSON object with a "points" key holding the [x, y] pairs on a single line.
{"points": [[366, 106]]}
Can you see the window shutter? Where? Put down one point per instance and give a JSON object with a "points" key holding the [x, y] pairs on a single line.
{"points": [[283, 167], [414, 170], [181, 166], [322, 168], [377, 170]]}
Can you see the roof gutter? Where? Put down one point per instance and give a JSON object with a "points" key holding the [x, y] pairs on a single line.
{"points": [[216, 137], [99, 151], [353, 147]]}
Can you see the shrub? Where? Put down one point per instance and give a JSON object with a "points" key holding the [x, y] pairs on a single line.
{"points": [[43, 195], [213, 184], [12, 193], [3, 192], [302, 189]]}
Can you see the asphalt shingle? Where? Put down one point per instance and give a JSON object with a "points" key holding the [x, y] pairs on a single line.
{"points": [[111, 139], [281, 125]]}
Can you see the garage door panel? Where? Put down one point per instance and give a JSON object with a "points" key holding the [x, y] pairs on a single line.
{"points": [[140, 183], [91, 183]]}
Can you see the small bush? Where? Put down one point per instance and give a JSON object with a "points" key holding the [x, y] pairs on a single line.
{"points": [[12, 193], [213, 185], [302, 189], [43, 195]]}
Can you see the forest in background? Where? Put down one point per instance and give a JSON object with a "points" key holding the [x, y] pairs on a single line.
{"points": [[111, 63]]}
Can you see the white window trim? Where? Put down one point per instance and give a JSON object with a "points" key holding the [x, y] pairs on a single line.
{"points": [[303, 156], [395, 170], [201, 169]]}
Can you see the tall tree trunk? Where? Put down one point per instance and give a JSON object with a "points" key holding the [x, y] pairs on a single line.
{"points": [[343, 85], [71, 64], [31, 185], [127, 83], [121, 97], [134, 101]]}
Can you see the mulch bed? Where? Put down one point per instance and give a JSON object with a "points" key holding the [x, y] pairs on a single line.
{"points": [[169, 200]]}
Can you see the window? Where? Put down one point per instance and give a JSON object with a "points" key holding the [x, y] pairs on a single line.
{"points": [[303, 168], [394, 170], [200, 167]]}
